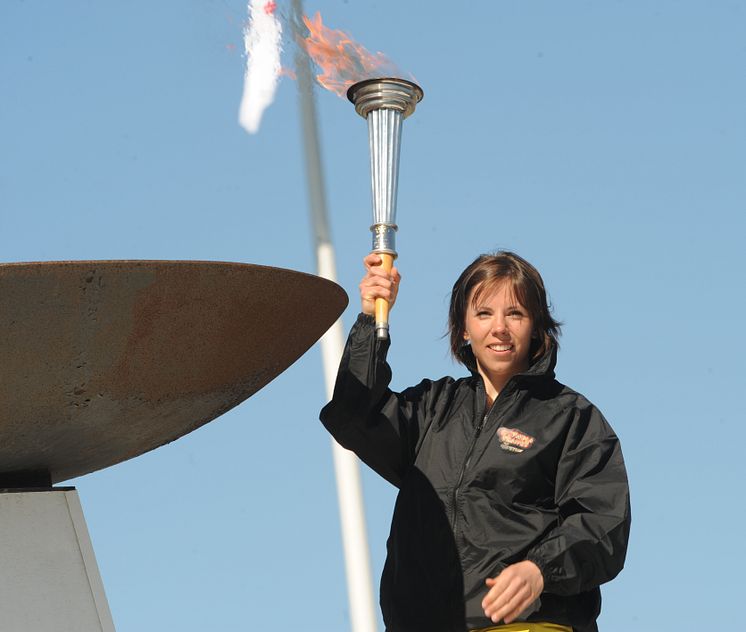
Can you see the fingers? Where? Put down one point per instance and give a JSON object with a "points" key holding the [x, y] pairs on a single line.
{"points": [[512, 608], [502, 600], [377, 283], [372, 260], [512, 591]]}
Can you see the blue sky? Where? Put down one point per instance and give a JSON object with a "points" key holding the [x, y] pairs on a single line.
{"points": [[604, 141]]}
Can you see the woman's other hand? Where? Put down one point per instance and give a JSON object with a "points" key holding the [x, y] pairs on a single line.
{"points": [[512, 591], [377, 283]]}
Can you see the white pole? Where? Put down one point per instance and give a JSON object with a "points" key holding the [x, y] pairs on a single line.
{"points": [[346, 464]]}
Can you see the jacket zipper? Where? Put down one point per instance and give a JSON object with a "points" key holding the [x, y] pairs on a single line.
{"points": [[467, 460], [469, 453]]}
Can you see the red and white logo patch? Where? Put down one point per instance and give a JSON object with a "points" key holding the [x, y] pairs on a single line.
{"points": [[514, 440]]}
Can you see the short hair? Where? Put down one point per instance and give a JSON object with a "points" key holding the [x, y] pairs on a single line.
{"points": [[485, 274]]}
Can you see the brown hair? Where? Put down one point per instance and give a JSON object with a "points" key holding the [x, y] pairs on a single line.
{"points": [[485, 274]]}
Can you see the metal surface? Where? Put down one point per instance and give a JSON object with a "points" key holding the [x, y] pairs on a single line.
{"points": [[385, 103], [384, 239], [385, 92], [104, 360], [384, 140]]}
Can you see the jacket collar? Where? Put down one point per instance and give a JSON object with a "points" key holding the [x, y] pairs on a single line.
{"points": [[541, 369]]}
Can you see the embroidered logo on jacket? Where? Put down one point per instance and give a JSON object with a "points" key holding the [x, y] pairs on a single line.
{"points": [[514, 440]]}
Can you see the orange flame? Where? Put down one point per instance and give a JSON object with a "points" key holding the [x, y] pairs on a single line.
{"points": [[342, 60]]}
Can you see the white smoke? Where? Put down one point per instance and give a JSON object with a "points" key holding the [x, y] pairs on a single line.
{"points": [[262, 40]]}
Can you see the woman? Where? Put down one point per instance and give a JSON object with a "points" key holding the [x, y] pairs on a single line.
{"points": [[513, 503]]}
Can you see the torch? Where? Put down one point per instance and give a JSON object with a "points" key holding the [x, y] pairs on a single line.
{"points": [[385, 103]]}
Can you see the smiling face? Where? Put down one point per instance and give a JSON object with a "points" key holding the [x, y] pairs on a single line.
{"points": [[499, 330]]}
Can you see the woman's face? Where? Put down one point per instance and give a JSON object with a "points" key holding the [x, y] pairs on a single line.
{"points": [[499, 329]]}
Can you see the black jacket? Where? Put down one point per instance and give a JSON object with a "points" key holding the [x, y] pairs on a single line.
{"points": [[540, 476]]}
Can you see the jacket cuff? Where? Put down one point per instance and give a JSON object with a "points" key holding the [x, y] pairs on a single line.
{"points": [[365, 320], [550, 572]]}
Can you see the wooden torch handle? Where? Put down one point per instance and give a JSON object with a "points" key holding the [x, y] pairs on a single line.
{"points": [[382, 305]]}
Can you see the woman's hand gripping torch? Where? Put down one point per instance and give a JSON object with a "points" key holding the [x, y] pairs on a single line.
{"points": [[379, 287], [385, 103]]}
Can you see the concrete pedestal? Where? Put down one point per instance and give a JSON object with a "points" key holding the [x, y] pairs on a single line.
{"points": [[49, 580]]}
